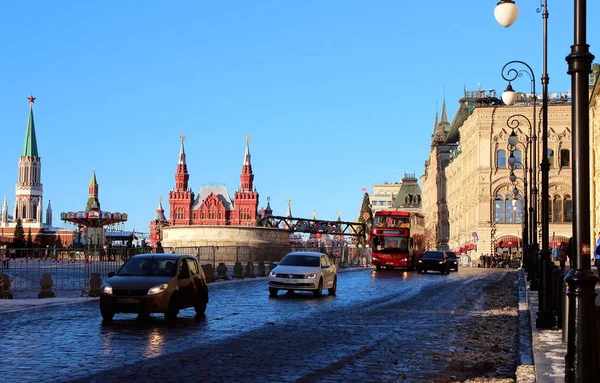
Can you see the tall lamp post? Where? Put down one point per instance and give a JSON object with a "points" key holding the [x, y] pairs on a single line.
{"points": [[582, 347], [510, 73], [513, 141], [506, 13]]}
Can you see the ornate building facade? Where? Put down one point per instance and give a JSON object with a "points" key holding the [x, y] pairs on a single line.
{"points": [[212, 205], [484, 215]]}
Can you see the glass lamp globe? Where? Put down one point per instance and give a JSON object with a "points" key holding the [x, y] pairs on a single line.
{"points": [[512, 160], [506, 12], [509, 96], [512, 177], [513, 139]]}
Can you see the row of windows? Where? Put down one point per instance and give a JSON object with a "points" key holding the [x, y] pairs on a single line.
{"points": [[510, 210], [564, 158], [382, 203]]}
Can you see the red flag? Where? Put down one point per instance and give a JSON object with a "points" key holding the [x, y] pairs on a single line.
{"points": [[364, 189]]}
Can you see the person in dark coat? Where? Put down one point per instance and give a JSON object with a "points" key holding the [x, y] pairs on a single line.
{"points": [[159, 248]]}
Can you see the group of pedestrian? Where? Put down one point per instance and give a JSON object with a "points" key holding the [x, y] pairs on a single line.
{"points": [[489, 260]]}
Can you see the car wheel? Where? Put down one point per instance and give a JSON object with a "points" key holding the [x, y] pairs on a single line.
{"points": [[333, 289], [272, 292], [319, 289], [200, 305], [173, 311], [507, 266], [107, 315]]}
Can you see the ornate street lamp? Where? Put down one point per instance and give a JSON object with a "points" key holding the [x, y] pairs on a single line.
{"points": [[582, 346], [530, 195], [510, 72]]}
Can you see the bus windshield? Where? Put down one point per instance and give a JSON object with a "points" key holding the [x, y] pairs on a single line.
{"points": [[390, 244], [390, 221]]}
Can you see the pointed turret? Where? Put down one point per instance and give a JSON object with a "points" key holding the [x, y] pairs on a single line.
{"points": [[4, 214], [29, 189], [444, 119], [93, 203], [247, 177], [49, 215], [160, 212], [288, 213], [30, 145], [268, 210], [182, 152], [247, 153], [246, 197]]}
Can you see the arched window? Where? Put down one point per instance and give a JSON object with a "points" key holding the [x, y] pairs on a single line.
{"points": [[557, 208], [499, 209], [551, 157], [500, 159], [519, 157], [517, 206], [565, 158], [568, 209], [24, 211]]}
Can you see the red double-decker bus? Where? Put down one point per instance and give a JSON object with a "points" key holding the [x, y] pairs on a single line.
{"points": [[397, 239]]}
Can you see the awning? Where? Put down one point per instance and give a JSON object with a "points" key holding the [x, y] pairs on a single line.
{"points": [[508, 241], [557, 240], [471, 246]]}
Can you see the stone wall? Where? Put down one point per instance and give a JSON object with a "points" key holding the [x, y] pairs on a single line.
{"points": [[224, 236]]}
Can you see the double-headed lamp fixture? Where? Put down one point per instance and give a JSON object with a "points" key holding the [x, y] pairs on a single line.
{"points": [[506, 12]]}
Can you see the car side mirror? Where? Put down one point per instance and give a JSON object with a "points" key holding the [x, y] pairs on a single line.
{"points": [[324, 266], [111, 274]]}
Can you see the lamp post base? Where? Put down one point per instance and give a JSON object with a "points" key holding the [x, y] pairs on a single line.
{"points": [[545, 319], [581, 358]]}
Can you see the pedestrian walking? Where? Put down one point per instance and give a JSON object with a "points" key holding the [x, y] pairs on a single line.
{"points": [[562, 255], [570, 252], [4, 256]]}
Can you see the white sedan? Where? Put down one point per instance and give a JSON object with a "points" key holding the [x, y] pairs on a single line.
{"points": [[309, 271]]}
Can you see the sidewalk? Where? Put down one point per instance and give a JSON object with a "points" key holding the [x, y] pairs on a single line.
{"points": [[547, 346]]}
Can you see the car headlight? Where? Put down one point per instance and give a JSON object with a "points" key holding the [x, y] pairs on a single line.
{"points": [[420, 261], [272, 274], [310, 276], [107, 289], [157, 289], [441, 262]]}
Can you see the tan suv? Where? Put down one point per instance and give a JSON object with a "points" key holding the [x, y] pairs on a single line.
{"points": [[155, 283]]}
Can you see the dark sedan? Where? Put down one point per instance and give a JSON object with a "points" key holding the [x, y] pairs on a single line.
{"points": [[453, 259], [434, 260], [155, 283]]}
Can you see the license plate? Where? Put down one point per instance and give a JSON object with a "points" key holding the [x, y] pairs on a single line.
{"points": [[389, 263], [128, 300], [293, 282]]}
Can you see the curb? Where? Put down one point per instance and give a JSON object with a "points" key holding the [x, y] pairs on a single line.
{"points": [[525, 363]]}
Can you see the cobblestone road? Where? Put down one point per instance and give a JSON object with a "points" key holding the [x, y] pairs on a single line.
{"points": [[382, 326]]}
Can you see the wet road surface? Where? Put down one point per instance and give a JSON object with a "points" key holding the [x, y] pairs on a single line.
{"points": [[381, 326]]}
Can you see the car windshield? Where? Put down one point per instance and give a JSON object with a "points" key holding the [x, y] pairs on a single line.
{"points": [[433, 255], [145, 267], [451, 255], [300, 260]]}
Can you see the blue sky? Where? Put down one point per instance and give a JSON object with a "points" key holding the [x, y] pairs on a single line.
{"points": [[336, 95]]}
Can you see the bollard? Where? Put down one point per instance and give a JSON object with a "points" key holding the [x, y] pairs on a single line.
{"points": [[46, 286], [261, 269], [250, 270], [238, 271], [5, 287], [95, 285], [222, 271], [209, 272]]}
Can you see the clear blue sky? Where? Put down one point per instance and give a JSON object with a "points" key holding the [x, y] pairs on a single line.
{"points": [[336, 95]]}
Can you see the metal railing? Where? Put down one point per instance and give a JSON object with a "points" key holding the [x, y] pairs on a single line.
{"points": [[70, 273]]}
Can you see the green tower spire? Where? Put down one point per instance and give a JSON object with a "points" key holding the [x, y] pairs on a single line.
{"points": [[30, 146]]}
